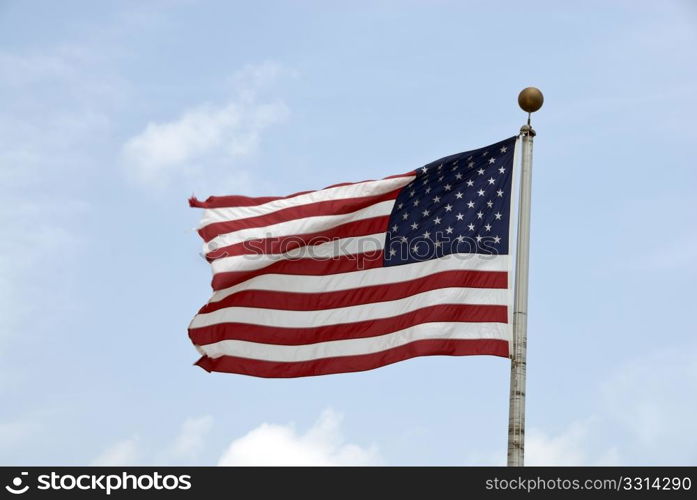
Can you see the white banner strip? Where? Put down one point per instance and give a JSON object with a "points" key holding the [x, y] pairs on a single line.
{"points": [[351, 314], [354, 347]]}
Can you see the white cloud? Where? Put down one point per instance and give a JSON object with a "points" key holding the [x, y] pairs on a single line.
{"points": [[572, 446], [27, 285], [578, 443], [185, 447], [321, 445], [255, 77], [191, 439], [652, 400], [14, 432], [56, 117], [642, 416], [269, 444], [229, 130], [123, 453]]}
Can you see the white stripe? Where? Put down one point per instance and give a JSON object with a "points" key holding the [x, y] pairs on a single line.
{"points": [[368, 277], [324, 251], [353, 347], [351, 314], [358, 190], [305, 225]]}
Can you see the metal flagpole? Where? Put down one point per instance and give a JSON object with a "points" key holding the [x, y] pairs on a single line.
{"points": [[530, 100]]}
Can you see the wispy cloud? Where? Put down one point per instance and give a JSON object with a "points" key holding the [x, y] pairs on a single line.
{"points": [[571, 446], [56, 119], [190, 441], [651, 400], [186, 446], [321, 445], [14, 432], [210, 132], [123, 453], [639, 418]]}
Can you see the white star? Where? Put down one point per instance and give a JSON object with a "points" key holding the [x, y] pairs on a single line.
{"points": [[480, 192], [460, 238], [502, 170], [458, 176], [485, 153], [440, 166], [414, 226], [393, 252], [449, 230], [458, 195], [492, 160], [479, 238], [470, 164], [489, 203], [470, 204], [415, 249], [480, 171], [427, 235], [424, 170], [498, 215], [499, 193], [412, 193], [436, 220], [480, 215], [470, 227], [447, 187], [448, 207], [470, 183], [436, 199], [404, 239], [426, 213], [487, 227], [395, 227], [405, 216], [428, 190], [459, 217], [504, 149], [491, 180], [437, 244], [497, 239], [399, 207], [416, 203], [441, 178]]}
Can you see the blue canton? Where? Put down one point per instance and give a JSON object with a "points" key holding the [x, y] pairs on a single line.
{"points": [[458, 204]]}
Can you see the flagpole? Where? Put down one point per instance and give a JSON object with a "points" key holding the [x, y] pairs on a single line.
{"points": [[530, 100]]}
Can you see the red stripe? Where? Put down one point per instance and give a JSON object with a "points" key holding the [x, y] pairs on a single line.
{"points": [[299, 301], [283, 244], [331, 207], [465, 313], [343, 364], [245, 201], [312, 267]]}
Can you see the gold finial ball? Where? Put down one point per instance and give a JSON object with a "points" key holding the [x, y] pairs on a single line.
{"points": [[530, 99]]}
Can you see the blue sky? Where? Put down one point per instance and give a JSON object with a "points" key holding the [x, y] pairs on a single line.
{"points": [[113, 113]]}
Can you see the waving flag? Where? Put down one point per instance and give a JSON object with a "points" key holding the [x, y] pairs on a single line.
{"points": [[357, 276]]}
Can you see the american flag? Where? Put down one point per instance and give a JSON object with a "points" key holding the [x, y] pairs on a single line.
{"points": [[357, 276]]}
